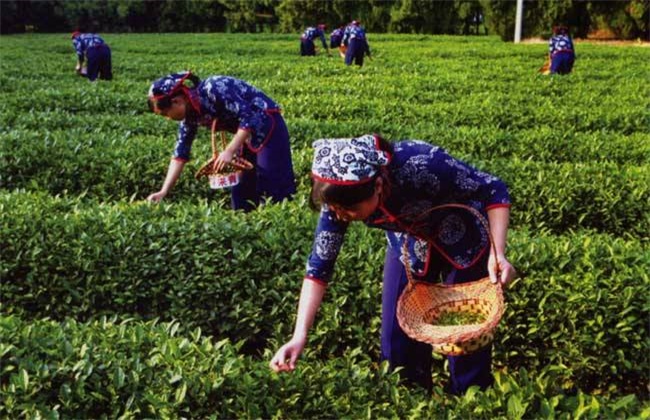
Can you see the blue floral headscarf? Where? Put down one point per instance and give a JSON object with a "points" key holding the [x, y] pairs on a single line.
{"points": [[348, 161], [171, 84]]}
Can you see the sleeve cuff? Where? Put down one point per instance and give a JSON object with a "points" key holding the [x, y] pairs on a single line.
{"points": [[315, 280], [497, 205]]}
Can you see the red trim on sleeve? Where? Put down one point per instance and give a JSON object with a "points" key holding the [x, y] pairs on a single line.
{"points": [[314, 279], [180, 159], [497, 205]]}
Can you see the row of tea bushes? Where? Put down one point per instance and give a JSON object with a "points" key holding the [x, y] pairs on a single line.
{"points": [[605, 196], [238, 276], [445, 88], [131, 369], [544, 143]]}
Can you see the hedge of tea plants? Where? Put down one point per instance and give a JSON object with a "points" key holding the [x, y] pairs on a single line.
{"points": [[113, 307], [135, 369]]}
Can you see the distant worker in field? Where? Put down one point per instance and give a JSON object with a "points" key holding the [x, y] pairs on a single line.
{"points": [[561, 51], [356, 42], [307, 46], [336, 37], [394, 186], [96, 53], [228, 104]]}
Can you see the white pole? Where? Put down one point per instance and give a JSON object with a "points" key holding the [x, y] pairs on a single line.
{"points": [[518, 19]]}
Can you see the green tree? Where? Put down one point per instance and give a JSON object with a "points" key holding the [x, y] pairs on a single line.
{"points": [[249, 15], [295, 15], [422, 16], [47, 16], [375, 15], [138, 16], [13, 16], [627, 20], [377, 18], [500, 17], [470, 17]]}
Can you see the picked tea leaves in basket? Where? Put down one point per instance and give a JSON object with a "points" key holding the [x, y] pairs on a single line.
{"points": [[230, 174], [458, 318], [455, 319]]}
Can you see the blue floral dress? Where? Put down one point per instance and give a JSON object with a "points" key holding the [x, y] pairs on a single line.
{"points": [[560, 49], [307, 40], [98, 54], [354, 37], [422, 176], [237, 105]]}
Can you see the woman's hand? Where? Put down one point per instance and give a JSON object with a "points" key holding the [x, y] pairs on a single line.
{"points": [[500, 270], [223, 159], [285, 358], [157, 197]]}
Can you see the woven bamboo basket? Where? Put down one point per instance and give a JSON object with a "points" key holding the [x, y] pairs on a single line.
{"points": [[546, 67], [342, 50], [230, 175], [421, 305]]}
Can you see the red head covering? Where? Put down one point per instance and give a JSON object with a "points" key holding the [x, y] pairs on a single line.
{"points": [[75, 34], [560, 30]]}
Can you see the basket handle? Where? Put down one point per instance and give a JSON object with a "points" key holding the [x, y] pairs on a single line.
{"points": [[238, 162], [479, 216], [213, 138]]}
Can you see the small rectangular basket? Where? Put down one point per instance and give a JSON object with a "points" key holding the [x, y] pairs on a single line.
{"points": [[422, 303], [230, 175]]}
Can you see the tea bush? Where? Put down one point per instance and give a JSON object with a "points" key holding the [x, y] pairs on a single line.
{"points": [[128, 369], [233, 275]]}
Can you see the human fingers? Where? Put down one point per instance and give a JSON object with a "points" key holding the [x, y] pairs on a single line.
{"points": [[154, 198], [219, 163], [275, 365], [493, 270], [292, 360], [278, 363], [493, 275], [508, 274]]}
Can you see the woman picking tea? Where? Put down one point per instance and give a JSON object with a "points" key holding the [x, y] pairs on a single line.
{"points": [[391, 186], [260, 133]]}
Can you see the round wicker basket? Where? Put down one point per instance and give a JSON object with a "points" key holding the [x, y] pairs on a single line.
{"points": [[229, 176], [421, 305]]}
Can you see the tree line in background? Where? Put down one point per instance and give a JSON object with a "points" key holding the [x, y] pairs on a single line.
{"points": [[621, 19]]}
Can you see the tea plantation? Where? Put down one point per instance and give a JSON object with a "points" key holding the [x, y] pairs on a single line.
{"points": [[112, 307]]}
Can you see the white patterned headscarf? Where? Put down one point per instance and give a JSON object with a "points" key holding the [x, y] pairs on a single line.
{"points": [[348, 161]]}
